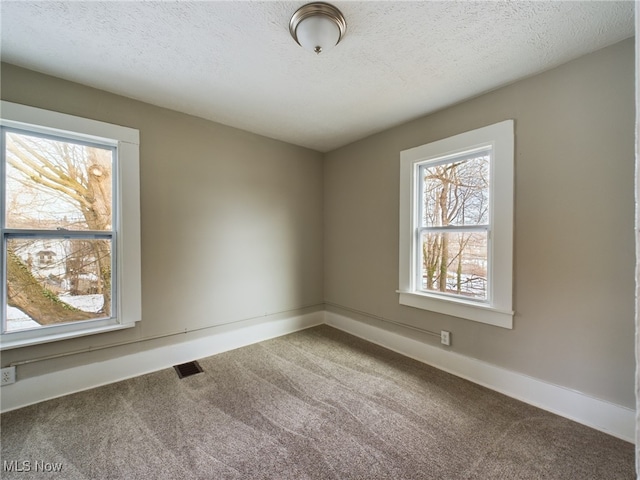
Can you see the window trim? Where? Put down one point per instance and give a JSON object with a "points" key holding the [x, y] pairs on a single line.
{"points": [[497, 310], [127, 220]]}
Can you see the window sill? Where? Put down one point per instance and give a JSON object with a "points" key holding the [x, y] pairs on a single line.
{"points": [[458, 308], [18, 339]]}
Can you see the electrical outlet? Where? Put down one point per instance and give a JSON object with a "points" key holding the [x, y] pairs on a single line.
{"points": [[445, 337], [8, 376]]}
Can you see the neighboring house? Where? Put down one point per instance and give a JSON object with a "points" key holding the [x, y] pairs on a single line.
{"points": [[59, 268]]}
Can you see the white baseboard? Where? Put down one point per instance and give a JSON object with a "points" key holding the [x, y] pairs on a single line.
{"points": [[64, 382], [598, 414]]}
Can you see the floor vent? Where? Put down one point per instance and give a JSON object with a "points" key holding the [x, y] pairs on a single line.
{"points": [[188, 369]]}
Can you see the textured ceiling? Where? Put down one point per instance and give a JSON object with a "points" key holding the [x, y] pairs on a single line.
{"points": [[235, 62]]}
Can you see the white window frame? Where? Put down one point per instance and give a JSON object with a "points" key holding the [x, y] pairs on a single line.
{"points": [[497, 310], [128, 291]]}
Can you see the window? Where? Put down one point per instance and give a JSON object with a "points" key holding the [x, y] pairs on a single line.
{"points": [[45, 257], [456, 225], [69, 220]]}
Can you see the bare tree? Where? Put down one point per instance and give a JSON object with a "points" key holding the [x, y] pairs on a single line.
{"points": [[454, 194], [76, 178], [41, 304]]}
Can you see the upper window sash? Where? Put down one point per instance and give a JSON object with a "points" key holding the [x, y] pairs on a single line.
{"points": [[78, 140]]}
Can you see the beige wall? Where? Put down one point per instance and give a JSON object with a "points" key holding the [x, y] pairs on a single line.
{"points": [[235, 225], [574, 217], [231, 221]]}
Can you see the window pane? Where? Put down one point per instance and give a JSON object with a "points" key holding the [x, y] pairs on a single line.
{"points": [[53, 281], [455, 263], [457, 193], [55, 184]]}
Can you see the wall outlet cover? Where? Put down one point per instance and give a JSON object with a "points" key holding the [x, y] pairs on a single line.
{"points": [[8, 376]]}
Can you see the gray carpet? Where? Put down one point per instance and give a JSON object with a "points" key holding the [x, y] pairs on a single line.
{"points": [[317, 404]]}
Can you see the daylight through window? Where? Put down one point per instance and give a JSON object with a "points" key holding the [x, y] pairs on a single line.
{"points": [[456, 225], [62, 218], [58, 236]]}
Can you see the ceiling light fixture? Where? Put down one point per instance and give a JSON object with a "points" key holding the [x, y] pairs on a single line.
{"points": [[317, 27]]}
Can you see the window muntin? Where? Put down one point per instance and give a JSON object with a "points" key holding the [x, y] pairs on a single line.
{"points": [[475, 282], [105, 287]]}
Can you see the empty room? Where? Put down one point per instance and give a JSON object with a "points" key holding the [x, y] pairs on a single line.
{"points": [[292, 240]]}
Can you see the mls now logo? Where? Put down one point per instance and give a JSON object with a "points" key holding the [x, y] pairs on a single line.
{"points": [[28, 466]]}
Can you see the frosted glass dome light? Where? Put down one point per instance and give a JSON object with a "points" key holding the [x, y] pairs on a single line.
{"points": [[317, 27]]}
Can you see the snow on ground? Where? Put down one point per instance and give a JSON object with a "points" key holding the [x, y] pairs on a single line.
{"points": [[86, 303], [17, 320]]}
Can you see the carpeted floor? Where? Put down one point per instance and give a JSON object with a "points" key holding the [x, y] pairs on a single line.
{"points": [[317, 404]]}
